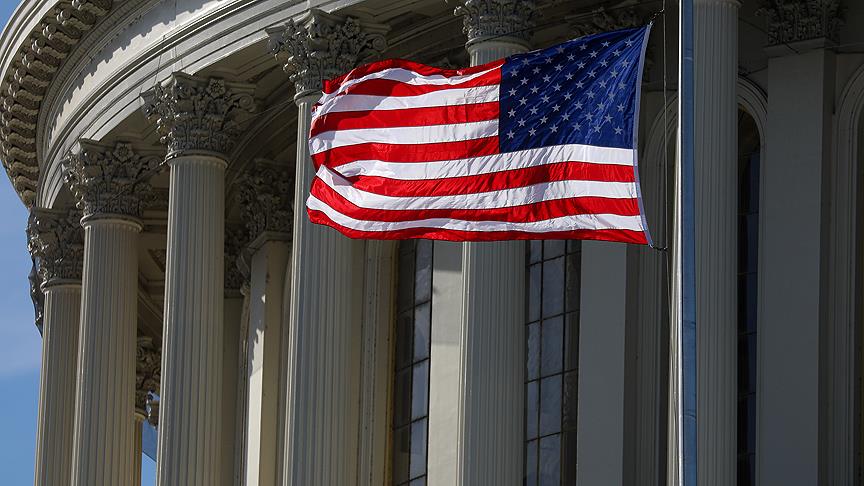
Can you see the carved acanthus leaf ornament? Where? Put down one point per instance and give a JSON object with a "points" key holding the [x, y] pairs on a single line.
{"points": [[199, 115], [800, 20], [497, 18], [323, 46], [110, 179], [56, 240]]}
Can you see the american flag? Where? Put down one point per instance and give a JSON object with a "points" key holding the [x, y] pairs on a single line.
{"points": [[539, 145]]}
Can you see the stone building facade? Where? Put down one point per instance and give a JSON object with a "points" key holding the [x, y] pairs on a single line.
{"points": [[178, 282]]}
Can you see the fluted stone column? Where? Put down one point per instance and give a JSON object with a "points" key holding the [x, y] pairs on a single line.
{"points": [[110, 185], [324, 345], [147, 374], [716, 188], [266, 197], [56, 241], [493, 317], [234, 358], [805, 432], [198, 120]]}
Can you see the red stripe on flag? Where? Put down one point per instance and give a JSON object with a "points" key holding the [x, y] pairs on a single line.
{"points": [[409, 117], [393, 152], [539, 211], [332, 85], [625, 236], [392, 87], [495, 181]]}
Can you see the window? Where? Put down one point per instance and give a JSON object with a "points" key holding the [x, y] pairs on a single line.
{"points": [[748, 245], [411, 379], [552, 337]]}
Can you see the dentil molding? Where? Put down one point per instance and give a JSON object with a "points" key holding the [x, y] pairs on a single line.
{"points": [[27, 80]]}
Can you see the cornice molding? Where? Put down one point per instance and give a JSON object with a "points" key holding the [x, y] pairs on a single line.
{"points": [[111, 179], [509, 19], [322, 46], [198, 115], [791, 21], [55, 240], [27, 77]]}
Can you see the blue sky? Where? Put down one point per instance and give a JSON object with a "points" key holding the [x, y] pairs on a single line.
{"points": [[20, 343]]}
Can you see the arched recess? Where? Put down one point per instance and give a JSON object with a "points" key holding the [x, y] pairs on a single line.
{"points": [[841, 403], [649, 443]]}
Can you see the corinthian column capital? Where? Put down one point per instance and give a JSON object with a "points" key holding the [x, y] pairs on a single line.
{"points": [[801, 20], [511, 19], [322, 46], [236, 240], [110, 179], [56, 239], [196, 115], [266, 196], [148, 369]]}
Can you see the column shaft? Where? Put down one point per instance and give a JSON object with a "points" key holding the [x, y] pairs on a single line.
{"points": [[716, 189], [267, 283], [792, 352], [138, 448], [57, 384], [102, 452], [493, 344], [602, 338], [190, 410], [321, 426]]}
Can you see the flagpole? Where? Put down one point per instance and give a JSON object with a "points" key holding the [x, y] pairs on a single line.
{"points": [[684, 291]]}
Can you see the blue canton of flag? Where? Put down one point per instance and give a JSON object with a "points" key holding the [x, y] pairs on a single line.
{"points": [[585, 91]]}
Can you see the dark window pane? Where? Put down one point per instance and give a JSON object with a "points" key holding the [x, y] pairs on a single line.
{"points": [[572, 292], [418, 482], [420, 391], [534, 293], [571, 341], [418, 448], [404, 348], [532, 361], [550, 405], [422, 327], [553, 287], [401, 454], [531, 463], [574, 246], [402, 398], [405, 298], [553, 249], [552, 348], [532, 408], [423, 276], [535, 251], [550, 461]]}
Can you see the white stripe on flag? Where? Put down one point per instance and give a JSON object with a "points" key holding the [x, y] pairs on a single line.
{"points": [[446, 97], [410, 135], [406, 76]]}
